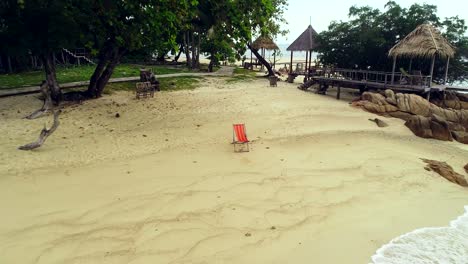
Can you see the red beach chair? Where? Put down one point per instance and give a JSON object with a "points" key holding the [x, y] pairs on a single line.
{"points": [[239, 138]]}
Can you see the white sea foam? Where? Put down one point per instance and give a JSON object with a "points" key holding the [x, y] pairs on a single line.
{"points": [[432, 245]]}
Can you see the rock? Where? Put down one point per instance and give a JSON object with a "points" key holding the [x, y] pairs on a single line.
{"points": [[380, 123], [422, 117], [460, 136], [390, 97], [466, 168], [446, 171], [433, 127], [117, 115]]}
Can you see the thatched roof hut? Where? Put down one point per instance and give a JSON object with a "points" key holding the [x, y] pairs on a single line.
{"points": [[424, 42], [306, 41], [265, 43]]}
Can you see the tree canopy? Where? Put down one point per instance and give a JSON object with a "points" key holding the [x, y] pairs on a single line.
{"points": [[364, 40]]}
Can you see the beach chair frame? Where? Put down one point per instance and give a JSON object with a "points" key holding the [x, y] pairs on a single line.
{"points": [[144, 89], [239, 145]]}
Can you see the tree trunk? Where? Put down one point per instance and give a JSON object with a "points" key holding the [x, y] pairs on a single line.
{"points": [[103, 58], [177, 56], [10, 69], [212, 60], [197, 64], [187, 49], [48, 104], [109, 58], [194, 51], [45, 133], [262, 60], [51, 77]]}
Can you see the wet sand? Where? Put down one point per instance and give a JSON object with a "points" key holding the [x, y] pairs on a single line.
{"points": [[161, 184]]}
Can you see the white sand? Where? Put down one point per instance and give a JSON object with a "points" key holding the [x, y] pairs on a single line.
{"points": [[322, 184]]}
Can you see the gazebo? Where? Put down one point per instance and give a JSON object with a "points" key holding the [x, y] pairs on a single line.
{"points": [[307, 42], [424, 42], [263, 43]]}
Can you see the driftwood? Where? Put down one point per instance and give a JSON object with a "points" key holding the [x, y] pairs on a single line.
{"points": [[44, 134], [48, 104]]}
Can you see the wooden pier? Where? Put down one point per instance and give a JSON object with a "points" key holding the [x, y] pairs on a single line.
{"points": [[374, 80]]}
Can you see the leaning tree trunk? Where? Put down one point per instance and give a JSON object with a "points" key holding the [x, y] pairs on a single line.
{"points": [[109, 60], [51, 77], [262, 60], [177, 56]]}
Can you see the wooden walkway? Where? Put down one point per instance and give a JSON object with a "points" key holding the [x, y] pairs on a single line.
{"points": [[224, 71], [374, 80]]}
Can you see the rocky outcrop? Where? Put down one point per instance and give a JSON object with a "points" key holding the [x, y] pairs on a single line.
{"points": [[425, 119], [453, 100], [466, 168], [429, 127], [446, 171]]}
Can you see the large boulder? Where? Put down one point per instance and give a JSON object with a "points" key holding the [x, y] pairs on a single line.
{"points": [[429, 127], [453, 100], [460, 136]]}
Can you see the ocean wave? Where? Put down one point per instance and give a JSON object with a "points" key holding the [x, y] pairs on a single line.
{"points": [[431, 245]]}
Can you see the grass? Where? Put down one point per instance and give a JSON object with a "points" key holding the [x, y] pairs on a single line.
{"points": [[165, 84], [78, 73], [241, 74]]}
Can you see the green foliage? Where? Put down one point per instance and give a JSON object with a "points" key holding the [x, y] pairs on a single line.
{"points": [[241, 75], [364, 41], [75, 74], [166, 84]]}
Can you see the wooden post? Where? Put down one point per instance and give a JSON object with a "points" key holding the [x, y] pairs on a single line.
{"points": [[251, 59], [393, 69], [446, 70], [410, 65], [290, 65], [338, 92], [432, 70], [310, 62], [274, 59], [305, 67]]}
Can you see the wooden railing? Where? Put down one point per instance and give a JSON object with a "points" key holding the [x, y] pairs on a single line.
{"points": [[373, 76]]}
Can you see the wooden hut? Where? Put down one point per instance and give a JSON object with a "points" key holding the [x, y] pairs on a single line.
{"points": [[424, 42], [307, 42], [263, 43]]}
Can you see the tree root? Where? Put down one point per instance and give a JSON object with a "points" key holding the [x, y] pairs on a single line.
{"points": [[44, 134]]}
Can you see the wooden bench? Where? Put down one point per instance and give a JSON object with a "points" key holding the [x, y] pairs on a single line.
{"points": [[144, 90]]}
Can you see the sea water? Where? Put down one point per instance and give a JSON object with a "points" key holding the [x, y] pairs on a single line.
{"points": [[432, 245]]}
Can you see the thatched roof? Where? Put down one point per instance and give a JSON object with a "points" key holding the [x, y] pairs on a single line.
{"points": [[306, 41], [264, 42], [423, 42]]}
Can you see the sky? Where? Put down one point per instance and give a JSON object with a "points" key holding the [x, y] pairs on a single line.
{"points": [[321, 13]]}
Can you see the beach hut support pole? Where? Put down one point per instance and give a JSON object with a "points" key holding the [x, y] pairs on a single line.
{"points": [[310, 62], [410, 65], [446, 70], [338, 92], [306, 63], [290, 65], [274, 59], [432, 70], [393, 70]]}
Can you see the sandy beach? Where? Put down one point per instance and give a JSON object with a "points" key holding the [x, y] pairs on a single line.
{"points": [[161, 183]]}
